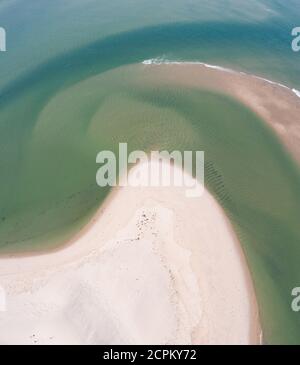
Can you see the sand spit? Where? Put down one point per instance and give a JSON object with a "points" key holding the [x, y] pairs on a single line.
{"points": [[277, 104], [152, 267]]}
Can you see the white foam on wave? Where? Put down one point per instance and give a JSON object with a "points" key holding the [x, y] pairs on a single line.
{"points": [[271, 82], [165, 61], [297, 92]]}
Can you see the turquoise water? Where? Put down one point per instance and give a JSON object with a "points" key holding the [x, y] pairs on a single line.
{"points": [[63, 98], [257, 33]]}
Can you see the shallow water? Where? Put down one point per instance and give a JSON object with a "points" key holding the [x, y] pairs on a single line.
{"points": [[65, 95]]}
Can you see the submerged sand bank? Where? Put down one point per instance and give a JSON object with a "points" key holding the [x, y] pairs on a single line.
{"points": [[278, 105], [152, 267]]}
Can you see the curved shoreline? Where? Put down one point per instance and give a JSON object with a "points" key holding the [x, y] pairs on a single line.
{"points": [[277, 104], [163, 61], [244, 91], [182, 260]]}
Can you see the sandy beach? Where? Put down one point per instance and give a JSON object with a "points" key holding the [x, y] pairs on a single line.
{"points": [[152, 267], [84, 264]]}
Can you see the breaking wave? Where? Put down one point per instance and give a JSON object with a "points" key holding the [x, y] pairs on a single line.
{"points": [[165, 61]]}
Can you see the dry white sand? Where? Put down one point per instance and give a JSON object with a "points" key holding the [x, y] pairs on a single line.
{"points": [[153, 267]]}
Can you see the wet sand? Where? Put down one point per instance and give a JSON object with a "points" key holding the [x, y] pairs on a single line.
{"points": [[277, 105]]}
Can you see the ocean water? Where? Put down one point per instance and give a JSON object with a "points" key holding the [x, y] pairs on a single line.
{"points": [[71, 86]]}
